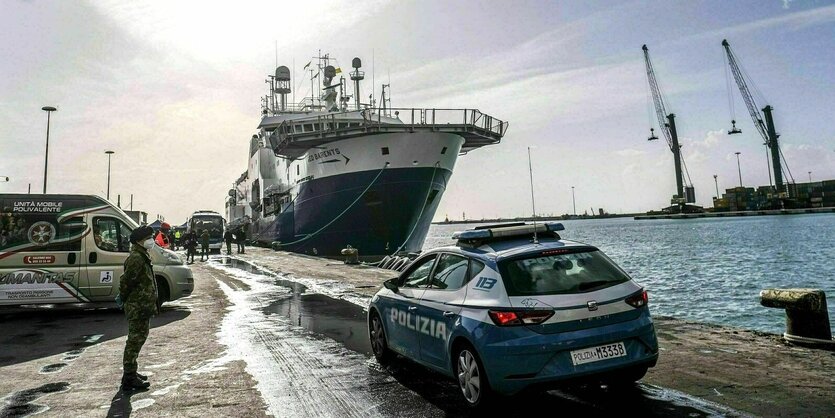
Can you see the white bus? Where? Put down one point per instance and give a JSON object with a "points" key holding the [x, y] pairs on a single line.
{"points": [[211, 221]]}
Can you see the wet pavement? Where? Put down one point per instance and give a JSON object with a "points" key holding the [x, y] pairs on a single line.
{"points": [[311, 356]]}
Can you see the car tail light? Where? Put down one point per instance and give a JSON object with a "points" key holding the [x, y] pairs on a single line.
{"points": [[638, 300], [509, 318]]}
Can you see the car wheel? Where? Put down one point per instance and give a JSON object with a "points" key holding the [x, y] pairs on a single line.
{"points": [[472, 380], [379, 345]]}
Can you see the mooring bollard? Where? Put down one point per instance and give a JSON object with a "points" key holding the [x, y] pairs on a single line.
{"points": [[807, 318], [351, 255]]}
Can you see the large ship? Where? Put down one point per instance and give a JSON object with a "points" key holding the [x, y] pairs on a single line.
{"points": [[330, 171]]}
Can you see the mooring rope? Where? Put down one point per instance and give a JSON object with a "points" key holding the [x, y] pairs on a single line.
{"points": [[417, 221], [309, 236]]}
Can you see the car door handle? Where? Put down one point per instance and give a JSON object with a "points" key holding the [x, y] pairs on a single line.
{"points": [[449, 314], [412, 308]]}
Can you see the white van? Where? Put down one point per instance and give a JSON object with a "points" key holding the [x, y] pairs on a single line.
{"points": [[72, 249]]}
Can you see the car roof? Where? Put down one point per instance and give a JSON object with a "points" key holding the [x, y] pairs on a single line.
{"points": [[508, 248]]}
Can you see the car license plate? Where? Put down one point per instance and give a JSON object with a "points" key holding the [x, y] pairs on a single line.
{"points": [[602, 352]]}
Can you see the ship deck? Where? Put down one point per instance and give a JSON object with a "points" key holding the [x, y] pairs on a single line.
{"points": [[293, 138]]}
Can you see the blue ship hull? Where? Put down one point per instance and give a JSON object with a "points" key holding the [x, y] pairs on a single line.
{"points": [[328, 214]]}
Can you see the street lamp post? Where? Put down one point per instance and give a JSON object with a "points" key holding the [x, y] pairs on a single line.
{"points": [[739, 168], [109, 153], [810, 177], [573, 201], [715, 181], [48, 110]]}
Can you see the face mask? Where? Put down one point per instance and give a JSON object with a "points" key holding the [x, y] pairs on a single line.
{"points": [[148, 243]]}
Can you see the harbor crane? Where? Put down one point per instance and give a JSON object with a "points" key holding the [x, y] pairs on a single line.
{"points": [[763, 122], [667, 125]]}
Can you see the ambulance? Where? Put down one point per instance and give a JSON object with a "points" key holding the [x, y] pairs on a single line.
{"points": [[71, 249]]}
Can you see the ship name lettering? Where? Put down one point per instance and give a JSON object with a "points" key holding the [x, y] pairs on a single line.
{"points": [[323, 154]]}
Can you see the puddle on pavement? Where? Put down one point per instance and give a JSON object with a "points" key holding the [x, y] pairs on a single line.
{"points": [[20, 404], [53, 368], [337, 319]]}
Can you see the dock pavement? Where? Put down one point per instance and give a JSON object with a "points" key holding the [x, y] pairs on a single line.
{"points": [[66, 361]]}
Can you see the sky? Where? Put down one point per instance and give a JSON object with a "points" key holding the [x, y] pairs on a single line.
{"points": [[174, 89]]}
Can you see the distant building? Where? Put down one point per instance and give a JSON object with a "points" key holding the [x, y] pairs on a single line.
{"points": [[138, 216]]}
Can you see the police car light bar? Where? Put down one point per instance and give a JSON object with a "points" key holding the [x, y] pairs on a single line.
{"points": [[507, 231]]}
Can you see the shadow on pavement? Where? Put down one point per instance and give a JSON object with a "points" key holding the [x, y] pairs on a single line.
{"points": [[580, 400], [32, 333], [120, 405]]}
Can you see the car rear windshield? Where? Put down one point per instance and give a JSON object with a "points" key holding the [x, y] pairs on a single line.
{"points": [[549, 273]]}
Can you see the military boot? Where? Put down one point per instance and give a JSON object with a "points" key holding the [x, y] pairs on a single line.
{"points": [[130, 382]]}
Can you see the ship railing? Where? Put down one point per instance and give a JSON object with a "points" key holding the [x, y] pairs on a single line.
{"points": [[436, 117], [477, 128]]}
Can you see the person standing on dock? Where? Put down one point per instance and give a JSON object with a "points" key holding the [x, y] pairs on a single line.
{"points": [[138, 292], [228, 237], [241, 238], [163, 238], [204, 244], [191, 245]]}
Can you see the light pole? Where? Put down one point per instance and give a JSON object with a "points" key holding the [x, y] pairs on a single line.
{"points": [[810, 177], [717, 185], [109, 153], [48, 110], [573, 201], [738, 168]]}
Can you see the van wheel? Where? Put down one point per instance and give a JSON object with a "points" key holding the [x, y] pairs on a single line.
{"points": [[472, 379], [163, 294], [379, 345]]}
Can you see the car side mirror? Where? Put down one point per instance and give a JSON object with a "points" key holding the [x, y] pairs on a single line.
{"points": [[390, 284]]}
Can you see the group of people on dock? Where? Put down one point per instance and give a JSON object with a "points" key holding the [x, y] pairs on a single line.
{"points": [[165, 238], [238, 236]]}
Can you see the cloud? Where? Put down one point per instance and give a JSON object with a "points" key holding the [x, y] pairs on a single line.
{"points": [[793, 21], [629, 152], [712, 139]]}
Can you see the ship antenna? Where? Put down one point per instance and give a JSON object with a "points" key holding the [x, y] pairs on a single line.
{"points": [[533, 201]]}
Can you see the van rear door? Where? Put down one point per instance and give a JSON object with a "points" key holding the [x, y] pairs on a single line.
{"points": [[40, 257], [106, 250]]}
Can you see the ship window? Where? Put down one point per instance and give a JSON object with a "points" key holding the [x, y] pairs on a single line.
{"points": [[385, 150], [308, 128], [297, 170], [443, 151]]}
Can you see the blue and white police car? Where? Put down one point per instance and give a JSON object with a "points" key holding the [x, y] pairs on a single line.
{"points": [[514, 306]]}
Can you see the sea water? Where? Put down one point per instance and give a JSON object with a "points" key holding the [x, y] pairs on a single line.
{"points": [[711, 270]]}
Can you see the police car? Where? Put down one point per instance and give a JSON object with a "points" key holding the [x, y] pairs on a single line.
{"points": [[514, 306]]}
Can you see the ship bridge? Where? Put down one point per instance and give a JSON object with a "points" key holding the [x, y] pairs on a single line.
{"points": [[293, 137]]}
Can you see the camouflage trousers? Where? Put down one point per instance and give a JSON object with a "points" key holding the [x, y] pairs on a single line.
{"points": [[137, 334]]}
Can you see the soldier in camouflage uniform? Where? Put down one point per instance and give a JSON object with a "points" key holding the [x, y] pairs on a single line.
{"points": [[138, 291]]}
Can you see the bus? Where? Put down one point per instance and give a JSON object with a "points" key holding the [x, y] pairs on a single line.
{"points": [[211, 221]]}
